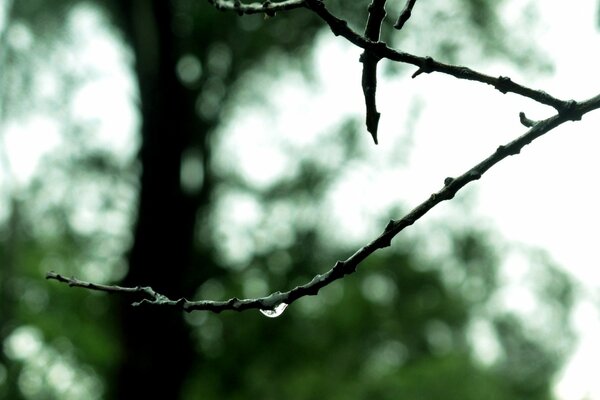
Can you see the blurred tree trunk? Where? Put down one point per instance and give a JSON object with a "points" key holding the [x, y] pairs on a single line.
{"points": [[157, 351], [8, 301]]}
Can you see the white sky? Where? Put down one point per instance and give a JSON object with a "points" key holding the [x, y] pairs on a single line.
{"points": [[547, 196]]}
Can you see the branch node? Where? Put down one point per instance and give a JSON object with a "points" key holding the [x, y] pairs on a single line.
{"points": [[390, 225], [338, 265], [569, 109], [425, 67], [339, 27], [474, 174], [503, 84], [448, 181], [386, 240]]}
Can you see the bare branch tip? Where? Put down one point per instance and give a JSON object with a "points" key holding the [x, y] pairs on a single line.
{"points": [[405, 14], [526, 121]]}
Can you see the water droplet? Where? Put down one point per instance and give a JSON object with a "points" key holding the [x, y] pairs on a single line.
{"points": [[276, 312]]}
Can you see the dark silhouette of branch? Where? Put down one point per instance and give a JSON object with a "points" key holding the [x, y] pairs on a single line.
{"points": [[405, 14], [451, 186], [373, 51], [369, 60], [339, 27], [267, 7], [526, 121]]}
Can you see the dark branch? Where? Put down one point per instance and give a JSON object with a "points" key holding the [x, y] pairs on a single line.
{"points": [[427, 64], [348, 266], [405, 14], [373, 52], [380, 50], [369, 73], [526, 121], [267, 7], [143, 290]]}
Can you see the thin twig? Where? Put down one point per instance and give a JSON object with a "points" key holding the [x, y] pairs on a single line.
{"points": [[405, 14], [348, 266], [369, 60], [144, 290], [567, 111], [267, 7], [339, 27]]}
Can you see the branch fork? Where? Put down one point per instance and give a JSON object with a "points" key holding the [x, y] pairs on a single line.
{"points": [[374, 50]]}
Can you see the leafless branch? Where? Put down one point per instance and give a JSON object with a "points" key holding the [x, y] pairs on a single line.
{"points": [[267, 7], [339, 27], [451, 186], [373, 52], [405, 14], [369, 73], [381, 50]]}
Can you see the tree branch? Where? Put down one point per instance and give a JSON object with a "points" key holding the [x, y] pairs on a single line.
{"points": [[339, 27], [268, 7], [405, 14], [341, 268], [369, 60], [373, 51]]}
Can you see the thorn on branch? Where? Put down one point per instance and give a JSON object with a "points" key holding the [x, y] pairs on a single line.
{"points": [[426, 67], [526, 121]]}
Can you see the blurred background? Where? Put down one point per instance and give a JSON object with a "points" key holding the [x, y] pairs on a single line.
{"points": [[208, 155]]}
